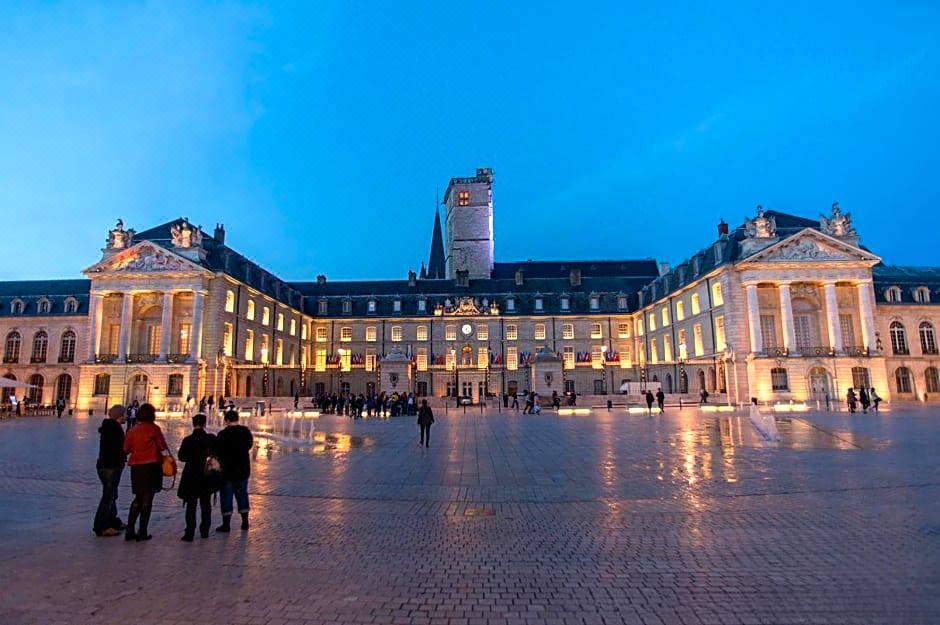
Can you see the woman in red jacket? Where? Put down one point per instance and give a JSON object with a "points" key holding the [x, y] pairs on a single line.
{"points": [[146, 447]]}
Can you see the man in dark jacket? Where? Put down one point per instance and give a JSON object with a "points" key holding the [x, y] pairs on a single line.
{"points": [[425, 419], [110, 465], [661, 400], [231, 448], [195, 484], [649, 401]]}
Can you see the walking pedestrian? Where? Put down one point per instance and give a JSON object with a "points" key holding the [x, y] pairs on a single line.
{"points": [[110, 465], [863, 399], [875, 399], [146, 447], [60, 406], [196, 481], [661, 400], [425, 419], [703, 395], [850, 399], [649, 402], [232, 445]]}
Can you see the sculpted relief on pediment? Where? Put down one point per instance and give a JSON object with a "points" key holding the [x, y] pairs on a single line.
{"points": [[807, 250], [149, 259]]}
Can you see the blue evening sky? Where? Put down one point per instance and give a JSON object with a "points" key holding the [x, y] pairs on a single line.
{"points": [[318, 132]]}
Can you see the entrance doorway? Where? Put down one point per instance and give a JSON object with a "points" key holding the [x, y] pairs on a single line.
{"points": [[139, 388], [820, 384], [512, 387], [422, 388]]}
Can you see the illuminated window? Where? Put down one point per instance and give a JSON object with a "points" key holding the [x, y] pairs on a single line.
{"points": [[512, 358], [680, 310], [597, 357], [228, 334], [539, 331], [667, 348], [250, 310], [683, 348], [639, 326], [320, 361], [370, 334], [483, 357], [623, 330], [184, 337], [280, 322], [303, 330], [279, 351], [347, 307], [717, 299], [567, 331], [512, 332], [622, 302], [697, 337], [370, 360], [321, 334], [768, 331], [396, 334], [626, 358], [450, 333], [345, 360], [652, 321], [719, 334], [654, 351], [451, 359], [230, 301], [422, 359], [696, 306], [483, 332], [264, 348], [293, 327], [249, 345], [421, 334], [664, 314], [265, 316], [463, 198], [345, 334], [567, 357], [596, 331], [322, 307]]}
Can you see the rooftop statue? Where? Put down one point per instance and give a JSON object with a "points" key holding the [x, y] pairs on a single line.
{"points": [[185, 236], [761, 227], [119, 238], [838, 224]]}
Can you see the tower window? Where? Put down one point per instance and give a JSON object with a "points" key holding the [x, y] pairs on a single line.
{"points": [[463, 198]]}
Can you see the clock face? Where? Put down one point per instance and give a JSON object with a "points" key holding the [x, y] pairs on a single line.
{"points": [[466, 329]]}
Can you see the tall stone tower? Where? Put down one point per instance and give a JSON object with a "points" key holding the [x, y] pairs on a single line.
{"points": [[469, 225]]}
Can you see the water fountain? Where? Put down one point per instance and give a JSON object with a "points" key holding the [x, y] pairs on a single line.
{"points": [[765, 424]]}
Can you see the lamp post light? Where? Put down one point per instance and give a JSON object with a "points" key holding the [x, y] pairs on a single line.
{"points": [[453, 359], [604, 364], [341, 352]]}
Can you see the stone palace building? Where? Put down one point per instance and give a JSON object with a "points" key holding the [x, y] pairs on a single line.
{"points": [[779, 308]]}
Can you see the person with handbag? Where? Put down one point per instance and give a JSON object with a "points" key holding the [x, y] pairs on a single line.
{"points": [[232, 445], [198, 480], [149, 460]]}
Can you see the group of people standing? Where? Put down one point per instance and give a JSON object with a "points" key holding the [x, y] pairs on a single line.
{"points": [[356, 406], [213, 463], [864, 397]]}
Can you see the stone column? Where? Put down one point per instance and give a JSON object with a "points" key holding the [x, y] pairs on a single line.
{"points": [[196, 332], [96, 315], [786, 317], [127, 314], [867, 316], [166, 325], [832, 317], [753, 319]]}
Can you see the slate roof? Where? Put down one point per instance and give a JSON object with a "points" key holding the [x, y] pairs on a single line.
{"points": [[908, 279], [31, 292]]}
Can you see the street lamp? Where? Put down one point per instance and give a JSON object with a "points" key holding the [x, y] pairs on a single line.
{"points": [[341, 352], [604, 364], [453, 359]]}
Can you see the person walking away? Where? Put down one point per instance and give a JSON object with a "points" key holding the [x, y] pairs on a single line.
{"points": [[556, 402], [232, 445], [875, 400], [515, 401], [110, 465], [196, 482], [850, 399], [704, 396], [425, 419], [146, 447], [536, 404], [661, 400], [210, 403], [132, 415], [59, 407], [649, 402], [863, 399]]}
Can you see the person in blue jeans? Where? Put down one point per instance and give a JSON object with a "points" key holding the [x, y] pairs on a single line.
{"points": [[232, 445], [110, 465]]}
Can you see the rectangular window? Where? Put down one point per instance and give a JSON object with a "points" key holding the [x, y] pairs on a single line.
{"points": [[370, 307], [265, 316], [450, 333], [696, 304], [320, 362], [720, 334], [639, 326], [595, 303], [422, 359], [652, 322], [483, 357], [717, 297], [102, 384], [664, 313], [622, 302], [370, 360], [540, 332], [322, 307], [153, 340], [249, 345], [114, 338], [250, 310], [697, 337], [321, 334], [778, 379], [347, 307], [848, 330], [567, 331], [768, 331], [483, 332], [801, 327], [597, 331], [626, 357], [421, 334], [184, 339], [345, 334], [264, 348], [370, 334], [623, 330], [680, 310], [303, 330], [539, 303], [463, 198], [345, 360], [293, 327], [450, 359], [396, 334], [654, 351], [280, 322], [279, 351], [422, 305], [396, 306], [597, 357], [683, 347], [512, 332], [567, 357], [512, 358], [510, 305], [229, 301], [227, 334], [667, 348]]}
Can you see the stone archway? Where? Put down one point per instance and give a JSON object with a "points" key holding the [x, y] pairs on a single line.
{"points": [[819, 383]]}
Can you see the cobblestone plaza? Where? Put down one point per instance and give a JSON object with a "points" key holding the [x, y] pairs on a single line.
{"points": [[505, 519]]}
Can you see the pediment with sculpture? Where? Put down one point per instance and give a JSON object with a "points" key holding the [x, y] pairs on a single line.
{"points": [[811, 246], [144, 257], [467, 307]]}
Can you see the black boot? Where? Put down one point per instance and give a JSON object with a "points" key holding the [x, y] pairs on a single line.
{"points": [[226, 524], [244, 521], [144, 522], [132, 515]]}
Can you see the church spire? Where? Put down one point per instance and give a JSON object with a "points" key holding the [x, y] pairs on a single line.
{"points": [[436, 263]]}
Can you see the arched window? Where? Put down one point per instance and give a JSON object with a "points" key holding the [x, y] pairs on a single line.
{"points": [[34, 395], [67, 347], [174, 385], [779, 380], [63, 388], [230, 301], [861, 378], [893, 294], [40, 347], [902, 378], [932, 380], [102, 384], [922, 295], [71, 305], [6, 391], [928, 340], [11, 352], [17, 307], [898, 338], [683, 382], [44, 306]]}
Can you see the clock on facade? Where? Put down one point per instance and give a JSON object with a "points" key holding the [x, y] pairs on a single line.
{"points": [[466, 329]]}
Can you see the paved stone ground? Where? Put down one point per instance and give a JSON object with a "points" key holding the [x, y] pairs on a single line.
{"points": [[505, 520]]}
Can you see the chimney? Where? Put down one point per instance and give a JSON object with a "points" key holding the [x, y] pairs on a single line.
{"points": [[722, 228], [219, 234], [321, 279], [575, 277], [663, 268], [412, 278], [520, 277]]}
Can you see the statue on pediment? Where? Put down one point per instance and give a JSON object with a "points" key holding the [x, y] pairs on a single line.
{"points": [[761, 227], [838, 224], [185, 236], [149, 259], [119, 238]]}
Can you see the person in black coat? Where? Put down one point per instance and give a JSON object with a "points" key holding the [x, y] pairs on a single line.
{"points": [[649, 401], [195, 484], [425, 419], [110, 465], [232, 445], [661, 400]]}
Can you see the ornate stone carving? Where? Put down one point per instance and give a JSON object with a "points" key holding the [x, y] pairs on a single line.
{"points": [[119, 238], [838, 224], [185, 236], [805, 250], [761, 227], [149, 259]]}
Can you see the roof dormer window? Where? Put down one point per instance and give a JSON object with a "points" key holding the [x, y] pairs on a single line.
{"points": [[595, 302], [565, 303], [347, 306], [44, 306], [893, 294], [510, 304], [71, 305], [396, 306], [422, 305], [370, 307], [17, 307], [922, 295], [622, 302], [539, 303]]}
